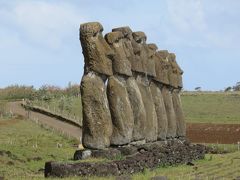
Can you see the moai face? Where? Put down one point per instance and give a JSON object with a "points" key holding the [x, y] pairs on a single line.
{"points": [[173, 72], [96, 51], [127, 43], [141, 51], [152, 48], [121, 65], [178, 70], [162, 67]]}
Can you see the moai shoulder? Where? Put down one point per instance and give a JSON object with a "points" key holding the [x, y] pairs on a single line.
{"points": [[121, 64], [96, 51], [162, 66]]}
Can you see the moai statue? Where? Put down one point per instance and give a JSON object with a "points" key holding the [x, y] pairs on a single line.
{"points": [[120, 107], [97, 124], [134, 93], [181, 126], [166, 69], [143, 81], [156, 90]]}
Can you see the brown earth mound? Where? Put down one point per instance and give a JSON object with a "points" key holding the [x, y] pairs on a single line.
{"points": [[213, 133]]}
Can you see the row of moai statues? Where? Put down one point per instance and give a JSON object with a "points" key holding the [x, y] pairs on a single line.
{"points": [[130, 90]]}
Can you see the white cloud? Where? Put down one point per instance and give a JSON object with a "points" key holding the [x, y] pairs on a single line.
{"points": [[44, 23]]}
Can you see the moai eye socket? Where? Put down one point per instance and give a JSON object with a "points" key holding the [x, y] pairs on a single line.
{"points": [[95, 34]]}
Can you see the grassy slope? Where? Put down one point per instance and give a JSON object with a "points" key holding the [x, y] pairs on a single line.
{"points": [[21, 137], [211, 107], [31, 147]]}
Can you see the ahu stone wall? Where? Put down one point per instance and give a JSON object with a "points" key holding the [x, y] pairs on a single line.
{"points": [[130, 90]]}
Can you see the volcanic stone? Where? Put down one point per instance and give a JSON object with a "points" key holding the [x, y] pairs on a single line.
{"points": [[138, 109], [167, 97], [97, 124], [121, 111], [160, 110]]}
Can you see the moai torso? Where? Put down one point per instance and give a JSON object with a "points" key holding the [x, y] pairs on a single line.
{"points": [[97, 123], [161, 67], [96, 51], [120, 107]]}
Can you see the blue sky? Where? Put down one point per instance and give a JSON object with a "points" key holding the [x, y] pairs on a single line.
{"points": [[39, 41]]}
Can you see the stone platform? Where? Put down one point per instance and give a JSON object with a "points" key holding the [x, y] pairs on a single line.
{"points": [[133, 159]]}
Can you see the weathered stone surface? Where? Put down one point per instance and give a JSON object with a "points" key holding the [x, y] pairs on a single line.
{"points": [[121, 64], [129, 43], [172, 126], [96, 51], [152, 57], [180, 120], [121, 111], [97, 124], [141, 51], [82, 154], [179, 71], [160, 110], [173, 71], [151, 124], [161, 67], [138, 109]]}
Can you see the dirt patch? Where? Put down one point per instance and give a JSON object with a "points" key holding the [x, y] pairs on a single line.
{"points": [[9, 122], [213, 133]]}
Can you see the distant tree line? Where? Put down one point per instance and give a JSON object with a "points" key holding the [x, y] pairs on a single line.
{"points": [[233, 88], [45, 92]]}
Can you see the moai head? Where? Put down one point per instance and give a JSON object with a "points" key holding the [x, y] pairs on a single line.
{"points": [[173, 77], [128, 45], [152, 49], [177, 70], [96, 51], [162, 67], [121, 65], [141, 51]]}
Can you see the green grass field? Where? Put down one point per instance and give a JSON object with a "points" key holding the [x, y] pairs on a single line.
{"points": [[26, 146], [211, 107]]}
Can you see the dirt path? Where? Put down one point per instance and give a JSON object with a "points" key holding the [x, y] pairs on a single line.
{"points": [[213, 133], [66, 128]]}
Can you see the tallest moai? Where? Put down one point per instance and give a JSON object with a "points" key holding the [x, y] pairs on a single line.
{"points": [[97, 123]]}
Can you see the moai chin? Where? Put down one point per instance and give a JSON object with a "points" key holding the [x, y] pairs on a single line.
{"points": [[97, 124], [97, 53], [120, 107]]}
